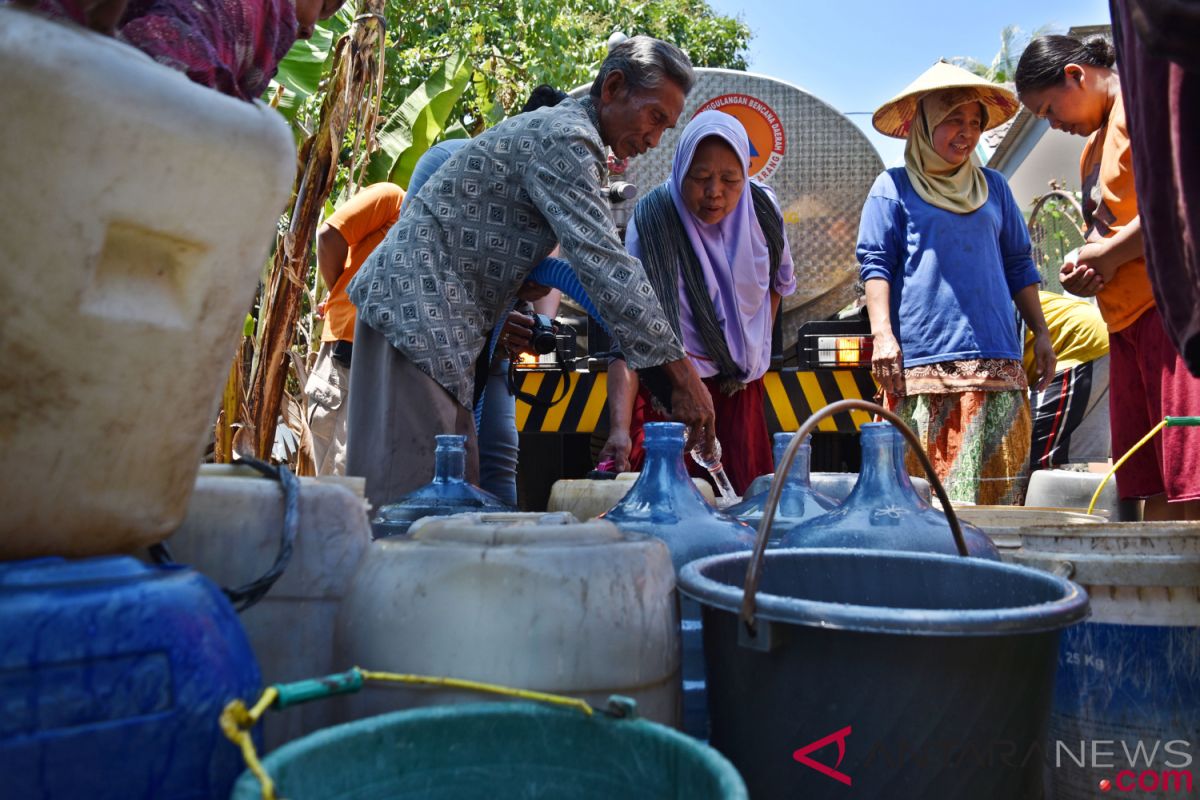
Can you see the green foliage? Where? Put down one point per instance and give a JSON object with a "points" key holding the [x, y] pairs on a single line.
{"points": [[1003, 68], [513, 45], [1055, 230], [418, 123], [306, 63], [709, 39], [294, 90], [455, 67]]}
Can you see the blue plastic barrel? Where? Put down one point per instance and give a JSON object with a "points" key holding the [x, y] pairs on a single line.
{"points": [[1128, 680], [113, 675]]}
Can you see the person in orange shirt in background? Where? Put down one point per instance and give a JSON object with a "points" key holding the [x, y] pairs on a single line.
{"points": [[1075, 86], [343, 243]]}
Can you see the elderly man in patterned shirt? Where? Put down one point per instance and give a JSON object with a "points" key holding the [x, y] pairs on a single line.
{"points": [[430, 294]]}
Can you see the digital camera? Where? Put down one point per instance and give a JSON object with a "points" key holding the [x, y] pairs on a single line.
{"points": [[547, 336], [543, 337]]}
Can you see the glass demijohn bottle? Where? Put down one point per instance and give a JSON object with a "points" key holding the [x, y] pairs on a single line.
{"points": [[447, 493], [798, 502], [884, 512], [666, 504]]}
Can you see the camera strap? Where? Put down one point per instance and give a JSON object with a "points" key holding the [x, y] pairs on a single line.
{"points": [[563, 374]]}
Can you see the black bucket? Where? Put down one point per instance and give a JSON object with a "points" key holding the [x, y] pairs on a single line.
{"points": [[847, 673], [882, 674]]}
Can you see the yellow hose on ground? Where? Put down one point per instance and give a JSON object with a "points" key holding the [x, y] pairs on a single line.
{"points": [[1124, 458]]}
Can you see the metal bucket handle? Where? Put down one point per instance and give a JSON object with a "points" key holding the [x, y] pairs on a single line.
{"points": [[754, 570]]}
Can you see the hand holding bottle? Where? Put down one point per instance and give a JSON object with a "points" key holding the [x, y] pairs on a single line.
{"points": [[712, 463]]}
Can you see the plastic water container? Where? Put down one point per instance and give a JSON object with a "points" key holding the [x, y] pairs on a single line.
{"points": [[231, 534], [147, 205], [1129, 677], [1060, 488], [447, 494], [797, 503], [1003, 524], [499, 751], [836, 485], [884, 512], [533, 601], [587, 498], [665, 504], [112, 677]]}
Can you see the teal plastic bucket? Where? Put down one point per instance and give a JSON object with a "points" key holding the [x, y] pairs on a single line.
{"points": [[497, 751]]}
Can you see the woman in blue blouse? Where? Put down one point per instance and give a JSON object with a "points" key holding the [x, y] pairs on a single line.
{"points": [[944, 255]]}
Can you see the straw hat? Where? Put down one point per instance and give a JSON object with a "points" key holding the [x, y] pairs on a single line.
{"points": [[894, 117]]}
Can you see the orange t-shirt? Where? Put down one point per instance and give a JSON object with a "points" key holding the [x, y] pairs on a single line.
{"points": [[1110, 203], [363, 221]]}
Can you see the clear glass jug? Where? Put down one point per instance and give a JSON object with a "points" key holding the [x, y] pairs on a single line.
{"points": [[666, 504], [447, 493], [883, 511]]}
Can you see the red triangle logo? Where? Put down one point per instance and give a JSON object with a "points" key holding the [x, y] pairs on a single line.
{"points": [[801, 755]]}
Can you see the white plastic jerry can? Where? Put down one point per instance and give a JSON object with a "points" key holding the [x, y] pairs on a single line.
{"points": [[139, 210]]}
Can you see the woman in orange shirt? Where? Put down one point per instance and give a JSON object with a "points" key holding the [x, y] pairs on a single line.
{"points": [[1074, 85]]}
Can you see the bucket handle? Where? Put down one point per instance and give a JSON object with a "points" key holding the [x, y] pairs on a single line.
{"points": [[754, 569], [243, 597], [237, 720]]}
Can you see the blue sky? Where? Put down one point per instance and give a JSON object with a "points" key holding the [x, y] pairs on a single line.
{"points": [[855, 54]]}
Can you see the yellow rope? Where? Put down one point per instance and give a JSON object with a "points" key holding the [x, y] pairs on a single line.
{"points": [[457, 683], [1124, 458], [237, 722]]}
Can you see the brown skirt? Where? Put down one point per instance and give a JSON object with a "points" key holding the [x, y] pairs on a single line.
{"points": [[395, 411]]}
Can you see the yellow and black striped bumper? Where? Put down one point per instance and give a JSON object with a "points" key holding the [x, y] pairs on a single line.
{"points": [[792, 396], [583, 409]]}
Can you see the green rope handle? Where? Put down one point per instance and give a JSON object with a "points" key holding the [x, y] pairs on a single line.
{"points": [[237, 720], [297, 692]]}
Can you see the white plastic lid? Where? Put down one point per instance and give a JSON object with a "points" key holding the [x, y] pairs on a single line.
{"points": [[549, 529]]}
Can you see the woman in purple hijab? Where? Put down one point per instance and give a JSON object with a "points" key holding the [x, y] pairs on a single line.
{"points": [[713, 245]]}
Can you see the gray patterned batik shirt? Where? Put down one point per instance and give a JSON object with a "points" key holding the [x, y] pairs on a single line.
{"points": [[451, 265]]}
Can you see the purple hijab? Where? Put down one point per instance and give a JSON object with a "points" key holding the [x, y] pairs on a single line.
{"points": [[733, 255]]}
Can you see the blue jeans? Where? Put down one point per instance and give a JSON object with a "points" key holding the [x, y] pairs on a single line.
{"points": [[428, 164], [498, 442]]}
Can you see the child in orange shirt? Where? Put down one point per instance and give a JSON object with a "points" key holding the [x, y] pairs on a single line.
{"points": [[1075, 86]]}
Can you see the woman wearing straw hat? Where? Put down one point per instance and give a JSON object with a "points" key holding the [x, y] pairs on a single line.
{"points": [[945, 254]]}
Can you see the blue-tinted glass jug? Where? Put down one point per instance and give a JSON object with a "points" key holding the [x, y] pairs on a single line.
{"points": [[665, 503], [883, 511], [447, 493], [798, 502]]}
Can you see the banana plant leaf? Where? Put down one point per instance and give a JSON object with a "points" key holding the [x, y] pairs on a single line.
{"points": [[418, 123], [301, 70]]}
